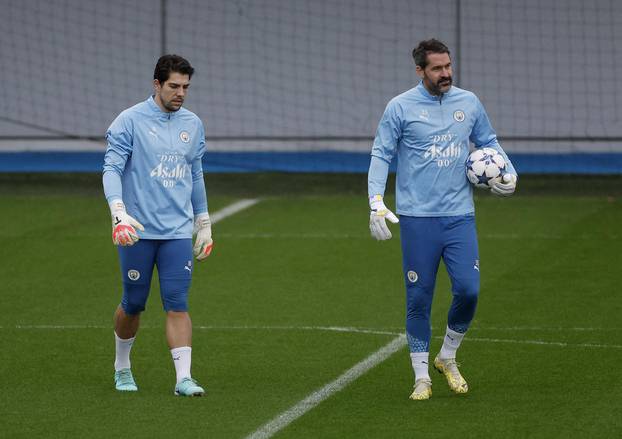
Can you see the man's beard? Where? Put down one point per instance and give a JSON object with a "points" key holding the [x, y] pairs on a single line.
{"points": [[447, 81], [171, 106]]}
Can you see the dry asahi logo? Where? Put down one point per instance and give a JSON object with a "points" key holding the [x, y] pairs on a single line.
{"points": [[172, 167], [444, 149]]}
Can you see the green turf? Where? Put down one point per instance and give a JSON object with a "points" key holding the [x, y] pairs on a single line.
{"points": [[542, 355]]}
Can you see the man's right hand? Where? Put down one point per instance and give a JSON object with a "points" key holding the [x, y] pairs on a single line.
{"points": [[377, 219], [203, 242], [123, 226]]}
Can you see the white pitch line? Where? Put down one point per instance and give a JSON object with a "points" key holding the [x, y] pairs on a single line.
{"points": [[295, 236], [290, 415], [546, 343], [546, 236], [366, 236], [350, 330], [61, 327], [232, 209], [542, 328], [515, 328]]}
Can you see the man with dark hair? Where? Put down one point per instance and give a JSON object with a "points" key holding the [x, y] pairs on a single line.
{"points": [[420, 53], [153, 182], [171, 63], [430, 128]]}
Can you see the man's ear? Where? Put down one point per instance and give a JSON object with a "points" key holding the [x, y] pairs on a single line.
{"points": [[419, 71]]}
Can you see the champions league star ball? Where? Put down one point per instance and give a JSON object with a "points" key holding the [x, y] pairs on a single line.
{"points": [[484, 167]]}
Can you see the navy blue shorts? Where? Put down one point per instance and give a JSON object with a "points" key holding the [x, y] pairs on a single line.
{"points": [[173, 257]]}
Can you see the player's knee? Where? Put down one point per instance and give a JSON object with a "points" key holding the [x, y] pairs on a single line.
{"points": [[132, 307], [174, 294], [176, 302], [467, 290], [418, 303], [134, 298]]}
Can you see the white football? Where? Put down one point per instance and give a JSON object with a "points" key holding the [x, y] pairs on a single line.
{"points": [[484, 167]]}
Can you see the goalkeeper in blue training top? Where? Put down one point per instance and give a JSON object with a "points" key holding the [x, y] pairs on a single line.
{"points": [[429, 129], [153, 181]]}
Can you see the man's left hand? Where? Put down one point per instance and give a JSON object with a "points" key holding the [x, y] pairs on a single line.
{"points": [[505, 187]]}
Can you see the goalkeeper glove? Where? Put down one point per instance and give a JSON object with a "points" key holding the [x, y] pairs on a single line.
{"points": [[506, 186], [123, 226], [203, 242], [377, 223]]}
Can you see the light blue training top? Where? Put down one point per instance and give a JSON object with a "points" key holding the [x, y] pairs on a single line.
{"points": [[153, 163], [430, 135]]}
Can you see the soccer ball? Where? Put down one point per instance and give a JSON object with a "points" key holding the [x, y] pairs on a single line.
{"points": [[484, 167]]}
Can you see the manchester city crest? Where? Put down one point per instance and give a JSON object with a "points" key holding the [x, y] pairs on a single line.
{"points": [[459, 116], [412, 276], [184, 136], [133, 274]]}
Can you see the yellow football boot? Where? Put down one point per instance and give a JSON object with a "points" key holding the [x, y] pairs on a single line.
{"points": [[423, 390], [449, 368]]}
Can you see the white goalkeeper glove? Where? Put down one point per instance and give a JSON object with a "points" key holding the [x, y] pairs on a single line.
{"points": [[123, 226], [203, 242], [505, 187], [377, 218]]}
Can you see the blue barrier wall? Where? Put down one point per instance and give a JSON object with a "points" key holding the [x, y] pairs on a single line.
{"points": [[576, 163]]}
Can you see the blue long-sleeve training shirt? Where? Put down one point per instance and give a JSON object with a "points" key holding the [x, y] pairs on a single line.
{"points": [[430, 136], [153, 163]]}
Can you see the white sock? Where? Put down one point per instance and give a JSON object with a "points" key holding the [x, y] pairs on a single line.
{"points": [[419, 361], [122, 352], [182, 358], [451, 343]]}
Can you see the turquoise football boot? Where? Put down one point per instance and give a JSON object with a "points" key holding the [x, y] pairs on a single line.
{"points": [[124, 381], [188, 387]]}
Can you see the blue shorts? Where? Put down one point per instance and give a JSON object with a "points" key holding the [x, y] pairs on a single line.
{"points": [[425, 241], [173, 257]]}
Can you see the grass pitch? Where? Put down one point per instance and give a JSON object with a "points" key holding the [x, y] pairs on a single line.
{"points": [[541, 358]]}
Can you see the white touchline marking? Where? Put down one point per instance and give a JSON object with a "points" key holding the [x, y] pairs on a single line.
{"points": [[354, 330], [549, 236], [365, 236], [290, 415], [350, 330], [295, 236], [232, 209], [271, 235], [61, 327], [514, 328], [545, 343], [540, 328]]}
